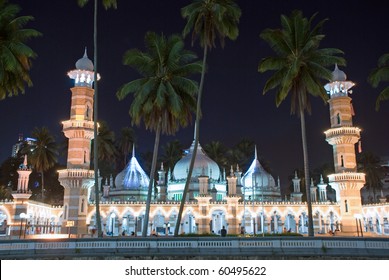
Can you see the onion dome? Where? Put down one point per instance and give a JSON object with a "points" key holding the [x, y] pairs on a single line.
{"points": [[203, 166], [132, 177], [338, 75], [84, 63], [256, 176]]}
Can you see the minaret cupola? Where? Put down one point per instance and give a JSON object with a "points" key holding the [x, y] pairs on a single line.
{"points": [[83, 75]]}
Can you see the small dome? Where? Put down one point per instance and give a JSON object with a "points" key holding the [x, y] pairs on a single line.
{"points": [[84, 63], [257, 176], [132, 177], [203, 166], [338, 75]]}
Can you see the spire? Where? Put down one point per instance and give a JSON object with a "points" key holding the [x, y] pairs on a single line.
{"points": [[133, 150], [256, 154], [25, 161]]}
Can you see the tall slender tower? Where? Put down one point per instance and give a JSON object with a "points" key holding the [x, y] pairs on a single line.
{"points": [[343, 136], [21, 197], [78, 179]]}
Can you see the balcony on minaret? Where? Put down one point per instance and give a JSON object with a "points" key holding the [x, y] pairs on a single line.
{"points": [[342, 135], [77, 124], [338, 86]]}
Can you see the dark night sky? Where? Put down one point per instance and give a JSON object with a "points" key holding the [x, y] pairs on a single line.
{"points": [[233, 104]]}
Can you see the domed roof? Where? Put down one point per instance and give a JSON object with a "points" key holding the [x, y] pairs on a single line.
{"points": [[132, 176], [203, 166], [84, 63], [338, 75], [256, 175]]}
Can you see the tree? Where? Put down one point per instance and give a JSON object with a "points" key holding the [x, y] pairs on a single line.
{"points": [[369, 164], [380, 74], [107, 151], [15, 56], [299, 67], [172, 152], [126, 141], [44, 153], [242, 153], [207, 19], [164, 97], [107, 4], [217, 151]]}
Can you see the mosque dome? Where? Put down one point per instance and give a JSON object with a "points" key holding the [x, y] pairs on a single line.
{"points": [[132, 177], [84, 63], [338, 75], [257, 176], [203, 166]]}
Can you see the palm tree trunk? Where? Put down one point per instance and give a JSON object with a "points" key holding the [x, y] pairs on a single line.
{"points": [[43, 185], [95, 156], [306, 170], [151, 184], [196, 144]]}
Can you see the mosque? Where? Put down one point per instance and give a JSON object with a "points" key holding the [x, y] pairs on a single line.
{"points": [[241, 201]]}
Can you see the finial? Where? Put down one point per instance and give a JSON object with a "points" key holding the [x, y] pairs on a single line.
{"points": [[85, 53], [25, 161], [321, 179], [256, 154], [295, 174], [231, 171], [312, 182], [162, 165], [133, 150]]}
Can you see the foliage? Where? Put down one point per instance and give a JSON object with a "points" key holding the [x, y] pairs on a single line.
{"points": [[106, 3], [106, 152], [15, 56], [299, 66], [164, 97], [8, 172], [378, 75], [126, 142], [172, 152], [369, 164], [207, 19], [43, 154]]}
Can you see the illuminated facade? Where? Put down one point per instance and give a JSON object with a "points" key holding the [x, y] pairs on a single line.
{"points": [[247, 202]]}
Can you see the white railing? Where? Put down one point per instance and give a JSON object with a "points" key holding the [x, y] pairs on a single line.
{"points": [[206, 246]]}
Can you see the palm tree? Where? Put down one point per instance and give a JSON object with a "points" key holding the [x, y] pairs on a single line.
{"points": [[43, 153], [126, 141], [217, 151], [107, 151], [369, 164], [107, 4], [207, 19], [242, 153], [164, 97], [380, 74], [15, 56], [172, 152], [299, 67]]}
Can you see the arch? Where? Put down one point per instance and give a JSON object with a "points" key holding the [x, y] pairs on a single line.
{"points": [[217, 220]]}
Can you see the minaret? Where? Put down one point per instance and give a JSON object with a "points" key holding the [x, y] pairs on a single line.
{"points": [[21, 196], [296, 195], [77, 179], [161, 184], [343, 136]]}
